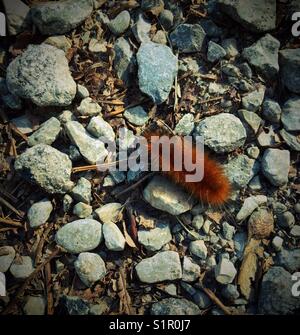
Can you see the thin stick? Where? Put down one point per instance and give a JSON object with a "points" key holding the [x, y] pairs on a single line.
{"points": [[11, 223], [22, 289], [210, 100], [11, 207], [217, 301]]}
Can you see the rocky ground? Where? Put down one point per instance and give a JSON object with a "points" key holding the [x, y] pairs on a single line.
{"points": [[76, 241]]}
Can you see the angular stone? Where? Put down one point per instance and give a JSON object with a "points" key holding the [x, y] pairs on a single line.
{"points": [[225, 271], [7, 255], [289, 60], [101, 129], [198, 248], [141, 29], [175, 306], [154, 239], [185, 125], [253, 100], [190, 270], [82, 191], [46, 134], [114, 239], [109, 213], [22, 267], [39, 213], [136, 115], [290, 114], [120, 23], [17, 15]]}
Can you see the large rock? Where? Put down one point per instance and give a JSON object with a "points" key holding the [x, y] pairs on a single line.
{"points": [[80, 235], [289, 60], [263, 55], [92, 149], [47, 132], [154, 239], [276, 165], [289, 259], [276, 293], [222, 133], [17, 15], [47, 167], [157, 68], [162, 266], [59, 17], [256, 15], [175, 306], [290, 116], [166, 196], [188, 38], [42, 75]]}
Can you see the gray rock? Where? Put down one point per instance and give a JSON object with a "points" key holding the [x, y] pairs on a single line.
{"points": [[166, 19], [154, 239], [285, 220], [66, 116], [291, 140], [240, 240], [225, 271], [295, 231], [88, 107], [67, 203], [54, 18], [35, 305], [22, 267], [175, 306], [82, 191], [23, 123], [222, 133], [75, 305], [82, 210], [198, 221], [246, 70], [102, 307], [153, 6], [271, 111], [114, 239], [190, 270], [41, 74], [109, 213], [275, 166], [256, 15], [297, 207], [74, 153], [101, 129], [118, 176], [240, 170], [39, 213], [253, 152], [252, 101], [185, 125], [230, 46], [263, 56], [289, 60], [290, 114], [82, 92], [90, 268], [160, 37], [171, 289], [80, 235], [92, 149], [249, 205], [255, 184], [164, 265], [47, 167], [202, 300], [188, 38], [60, 42], [198, 248], [12, 101], [124, 61], [141, 29], [46, 134], [166, 196], [276, 293], [230, 292], [17, 16], [289, 259], [231, 70], [210, 28], [277, 243], [250, 120], [7, 255], [136, 115], [120, 23], [268, 138], [228, 231], [215, 52], [157, 68]]}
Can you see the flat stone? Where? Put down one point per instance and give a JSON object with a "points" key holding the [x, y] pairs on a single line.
{"points": [[160, 37], [276, 296], [136, 115], [290, 114], [157, 68], [293, 141], [230, 292], [185, 125], [188, 38], [39, 213], [47, 167], [82, 210], [54, 18], [7, 256], [101, 129], [120, 23], [175, 306], [80, 235], [23, 124], [41, 73], [60, 42], [249, 205], [160, 267], [88, 107], [222, 133], [276, 165], [92, 149], [190, 270], [285, 219], [263, 56], [90, 268], [253, 100], [277, 243], [230, 46], [228, 231], [109, 213], [154, 239], [114, 239], [166, 19], [35, 305], [82, 191], [47, 133], [141, 29], [225, 271], [198, 248], [271, 111], [250, 120], [82, 92], [17, 16], [22, 267], [295, 231], [215, 52], [289, 259], [166, 196], [289, 60], [256, 15]]}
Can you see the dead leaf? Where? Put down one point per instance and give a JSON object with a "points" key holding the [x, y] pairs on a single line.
{"points": [[215, 216], [128, 238], [125, 300]]}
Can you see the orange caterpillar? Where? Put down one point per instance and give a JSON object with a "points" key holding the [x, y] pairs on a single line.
{"points": [[213, 189]]}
